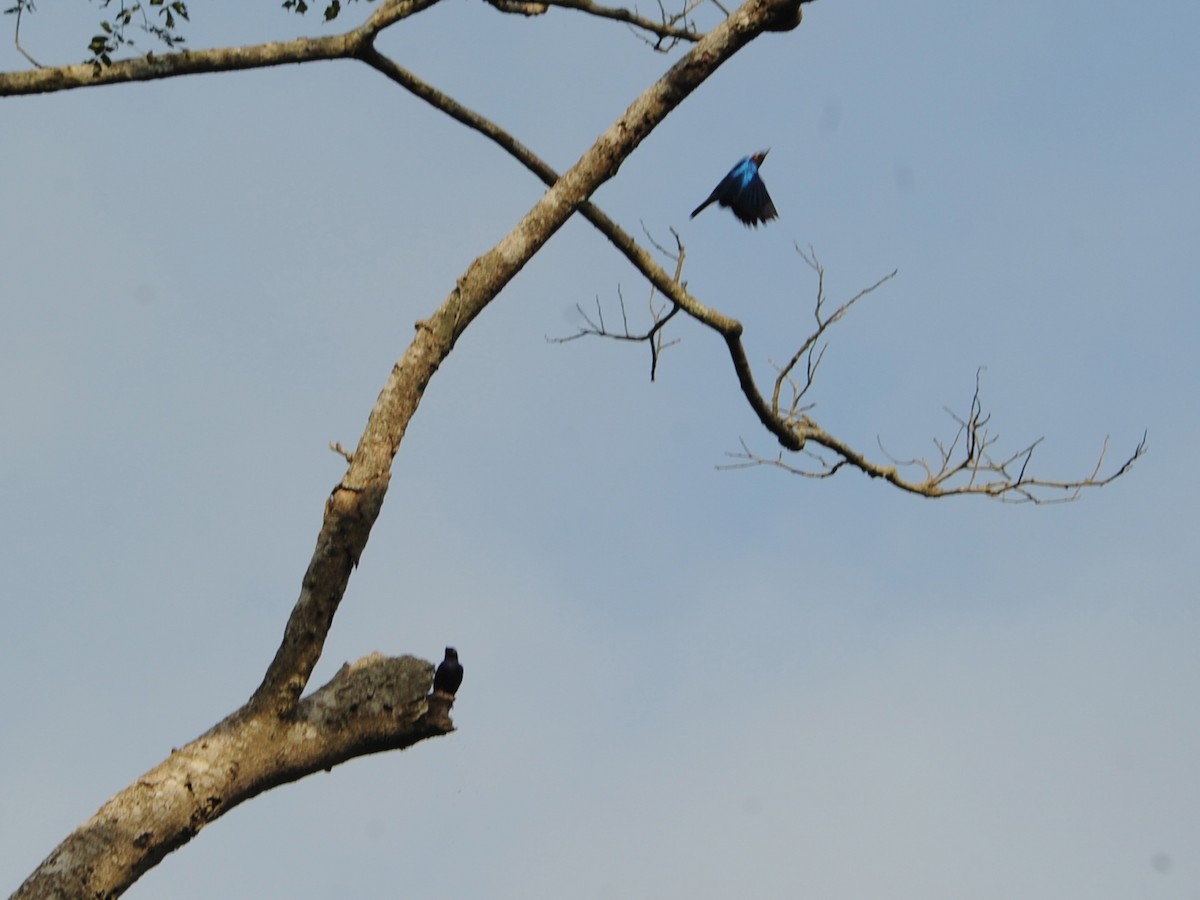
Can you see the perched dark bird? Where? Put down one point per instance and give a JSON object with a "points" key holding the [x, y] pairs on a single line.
{"points": [[449, 674], [743, 191]]}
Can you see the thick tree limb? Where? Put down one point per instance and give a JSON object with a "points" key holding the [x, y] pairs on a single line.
{"points": [[195, 62], [376, 704]]}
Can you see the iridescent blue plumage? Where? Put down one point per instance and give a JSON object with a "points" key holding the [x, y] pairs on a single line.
{"points": [[743, 191]]}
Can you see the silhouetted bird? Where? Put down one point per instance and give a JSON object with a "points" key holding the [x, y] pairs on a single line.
{"points": [[449, 673], [743, 191]]}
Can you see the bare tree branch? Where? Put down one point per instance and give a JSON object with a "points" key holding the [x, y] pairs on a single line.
{"points": [[659, 315], [127, 836], [973, 470], [352, 508], [668, 31], [18, 9], [977, 471], [378, 703], [194, 62], [807, 347], [348, 45], [666, 28]]}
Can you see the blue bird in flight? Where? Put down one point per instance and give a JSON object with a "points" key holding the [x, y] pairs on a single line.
{"points": [[743, 191]]}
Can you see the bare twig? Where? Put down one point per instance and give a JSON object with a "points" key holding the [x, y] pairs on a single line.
{"points": [[664, 43], [666, 30], [19, 8], [659, 316], [596, 328], [355, 503], [807, 347], [618, 237]]}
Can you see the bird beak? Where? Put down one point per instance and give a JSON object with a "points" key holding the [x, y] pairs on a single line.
{"points": [[764, 153]]}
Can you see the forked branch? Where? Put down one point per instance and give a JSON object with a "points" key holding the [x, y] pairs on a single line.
{"points": [[660, 315], [968, 464], [808, 349], [107, 859], [790, 424], [667, 31]]}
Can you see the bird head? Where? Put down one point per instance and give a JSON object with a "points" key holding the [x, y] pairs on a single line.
{"points": [[760, 156], [452, 654]]}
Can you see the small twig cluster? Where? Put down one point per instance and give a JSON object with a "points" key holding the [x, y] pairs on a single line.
{"points": [[808, 350], [660, 313]]}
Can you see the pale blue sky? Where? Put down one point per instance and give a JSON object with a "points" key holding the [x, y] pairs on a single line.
{"points": [[759, 685]]}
